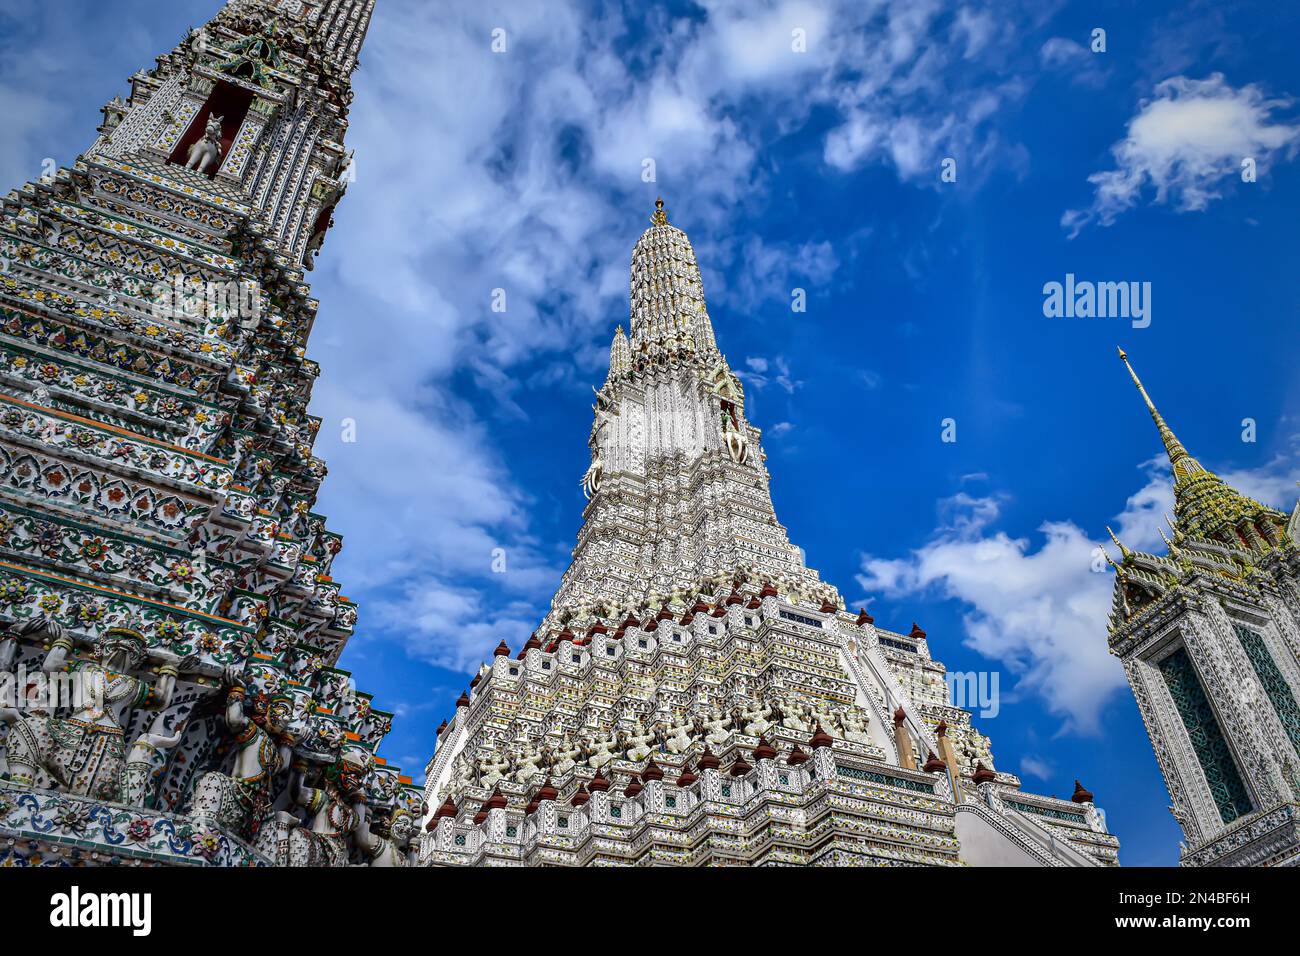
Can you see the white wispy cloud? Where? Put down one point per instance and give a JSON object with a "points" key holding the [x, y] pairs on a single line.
{"points": [[1063, 52], [1078, 62], [529, 179], [1031, 766], [1040, 607], [759, 372], [774, 271], [1187, 144], [917, 93]]}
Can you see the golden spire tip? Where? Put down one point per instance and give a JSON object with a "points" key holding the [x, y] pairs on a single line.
{"points": [[659, 217], [1106, 554], [1177, 453]]}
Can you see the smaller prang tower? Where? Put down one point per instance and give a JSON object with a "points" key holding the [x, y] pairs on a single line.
{"points": [[1210, 642], [158, 475]]}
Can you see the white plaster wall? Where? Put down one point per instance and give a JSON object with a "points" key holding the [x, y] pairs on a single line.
{"points": [[982, 845]]}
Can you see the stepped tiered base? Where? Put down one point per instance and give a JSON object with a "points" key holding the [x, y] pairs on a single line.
{"points": [[745, 731]]}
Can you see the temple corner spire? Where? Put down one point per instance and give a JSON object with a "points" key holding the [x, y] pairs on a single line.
{"points": [[1229, 554], [620, 354], [1183, 462]]}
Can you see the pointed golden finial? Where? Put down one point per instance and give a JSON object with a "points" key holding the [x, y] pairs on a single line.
{"points": [[659, 217], [1184, 464], [1169, 545], [1118, 543], [1109, 560]]}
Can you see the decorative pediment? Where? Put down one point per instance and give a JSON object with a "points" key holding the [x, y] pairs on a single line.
{"points": [[724, 384], [253, 58]]}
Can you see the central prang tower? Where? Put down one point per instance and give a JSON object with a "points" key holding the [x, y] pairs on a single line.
{"points": [[678, 488], [696, 694]]}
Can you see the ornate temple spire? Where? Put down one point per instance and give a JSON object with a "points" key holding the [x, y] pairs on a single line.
{"points": [[1184, 464], [1234, 556], [1205, 506], [158, 277], [669, 413], [1118, 543], [620, 355], [247, 116], [667, 292], [685, 621]]}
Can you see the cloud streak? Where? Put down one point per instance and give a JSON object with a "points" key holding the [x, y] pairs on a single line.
{"points": [[1040, 607], [1186, 144]]}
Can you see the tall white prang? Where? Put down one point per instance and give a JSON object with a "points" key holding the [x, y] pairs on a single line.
{"points": [[696, 694]]}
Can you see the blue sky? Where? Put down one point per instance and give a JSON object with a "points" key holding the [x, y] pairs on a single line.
{"points": [[817, 170]]}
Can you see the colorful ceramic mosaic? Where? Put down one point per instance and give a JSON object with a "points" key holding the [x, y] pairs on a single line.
{"points": [[158, 549]]}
